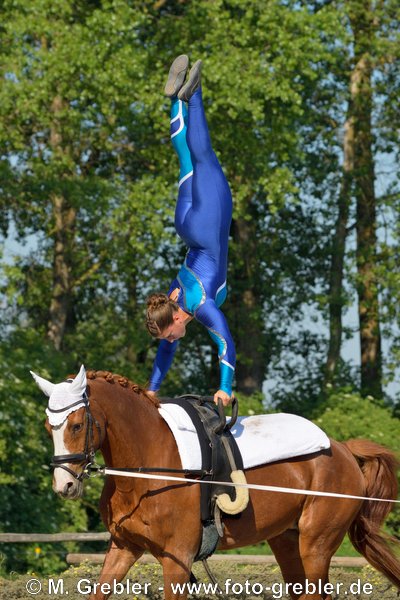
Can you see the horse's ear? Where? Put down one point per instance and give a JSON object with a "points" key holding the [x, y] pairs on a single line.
{"points": [[79, 383], [46, 386]]}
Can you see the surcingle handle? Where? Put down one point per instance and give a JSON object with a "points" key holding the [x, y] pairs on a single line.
{"points": [[235, 410], [222, 418]]}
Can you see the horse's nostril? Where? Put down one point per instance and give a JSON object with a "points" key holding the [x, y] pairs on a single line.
{"points": [[67, 487]]}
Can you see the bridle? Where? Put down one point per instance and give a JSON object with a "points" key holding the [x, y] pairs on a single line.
{"points": [[88, 455]]}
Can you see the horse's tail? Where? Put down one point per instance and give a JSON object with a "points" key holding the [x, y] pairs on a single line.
{"points": [[379, 467]]}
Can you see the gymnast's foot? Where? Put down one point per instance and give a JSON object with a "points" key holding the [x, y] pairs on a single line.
{"points": [[176, 75], [187, 90]]}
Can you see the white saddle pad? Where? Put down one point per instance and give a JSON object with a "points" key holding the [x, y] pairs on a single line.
{"points": [[261, 439]]}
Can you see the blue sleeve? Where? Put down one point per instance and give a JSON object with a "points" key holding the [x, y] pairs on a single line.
{"points": [[162, 363], [209, 315]]}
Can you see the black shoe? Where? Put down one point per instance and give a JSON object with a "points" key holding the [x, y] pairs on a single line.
{"points": [[187, 90], [176, 75]]}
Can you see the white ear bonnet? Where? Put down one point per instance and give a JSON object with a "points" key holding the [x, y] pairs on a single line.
{"points": [[65, 397]]}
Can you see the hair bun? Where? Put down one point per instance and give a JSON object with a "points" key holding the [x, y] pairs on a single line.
{"points": [[159, 313], [156, 300]]}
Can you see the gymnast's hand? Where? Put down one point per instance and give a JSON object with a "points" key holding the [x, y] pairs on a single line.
{"points": [[226, 398]]}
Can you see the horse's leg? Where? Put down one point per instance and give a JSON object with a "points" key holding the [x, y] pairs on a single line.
{"points": [[304, 558], [287, 553], [117, 563], [176, 573], [316, 554], [322, 527]]}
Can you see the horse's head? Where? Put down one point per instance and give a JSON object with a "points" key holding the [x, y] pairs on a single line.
{"points": [[72, 427]]}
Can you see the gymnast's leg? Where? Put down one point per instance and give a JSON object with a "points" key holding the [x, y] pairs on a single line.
{"points": [[208, 222], [178, 137]]}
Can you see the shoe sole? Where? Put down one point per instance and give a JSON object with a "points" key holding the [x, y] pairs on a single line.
{"points": [[176, 75], [187, 91]]}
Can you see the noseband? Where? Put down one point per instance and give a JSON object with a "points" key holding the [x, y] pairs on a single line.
{"points": [[88, 455]]}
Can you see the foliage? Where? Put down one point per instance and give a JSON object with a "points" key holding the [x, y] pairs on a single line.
{"points": [[82, 117], [346, 414]]}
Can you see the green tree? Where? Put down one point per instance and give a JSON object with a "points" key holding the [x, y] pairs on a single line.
{"points": [[371, 46], [64, 111], [362, 19]]}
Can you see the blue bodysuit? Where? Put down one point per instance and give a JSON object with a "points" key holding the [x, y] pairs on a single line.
{"points": [[202, 219]]}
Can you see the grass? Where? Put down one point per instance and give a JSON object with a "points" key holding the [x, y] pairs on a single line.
{"points": [[345, 549]]}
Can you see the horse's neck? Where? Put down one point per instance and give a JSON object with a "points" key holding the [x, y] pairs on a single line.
{"points": [[136, 433]]}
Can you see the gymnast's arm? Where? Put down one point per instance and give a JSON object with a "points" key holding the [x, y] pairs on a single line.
{"points": [[209, 315], [162, 362]]}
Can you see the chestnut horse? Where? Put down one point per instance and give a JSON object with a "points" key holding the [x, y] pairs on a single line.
{"points": [[163, 518]]}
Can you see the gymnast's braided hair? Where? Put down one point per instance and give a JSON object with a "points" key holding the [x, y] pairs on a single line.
{"points": [[160, 313]]}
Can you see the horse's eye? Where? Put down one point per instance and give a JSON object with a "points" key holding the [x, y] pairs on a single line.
{"points": [[77, 427]]}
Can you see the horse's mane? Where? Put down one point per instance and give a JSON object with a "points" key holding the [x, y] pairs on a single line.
{"points": [[123, 382]]}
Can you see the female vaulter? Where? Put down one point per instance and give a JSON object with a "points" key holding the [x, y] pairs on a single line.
{"points": [[202, 219]]}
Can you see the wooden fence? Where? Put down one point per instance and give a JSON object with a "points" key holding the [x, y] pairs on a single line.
{"points": [[77, 558], [16, 538]]}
